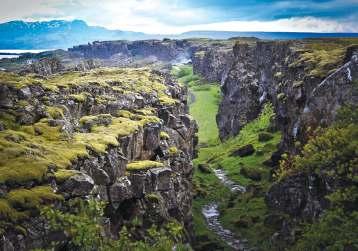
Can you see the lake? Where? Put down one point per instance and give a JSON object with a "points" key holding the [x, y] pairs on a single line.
{"points": [[16, 53]]}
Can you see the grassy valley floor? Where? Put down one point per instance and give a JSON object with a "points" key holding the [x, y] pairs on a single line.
{"points": [[244, 214]]}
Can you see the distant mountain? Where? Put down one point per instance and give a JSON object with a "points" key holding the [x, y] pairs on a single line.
{"points": [[56, 34], [60, 34]]}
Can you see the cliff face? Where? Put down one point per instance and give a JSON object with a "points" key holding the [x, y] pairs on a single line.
{"points": [[121, 136], [166, 50], [213, 63], [303, 93]]}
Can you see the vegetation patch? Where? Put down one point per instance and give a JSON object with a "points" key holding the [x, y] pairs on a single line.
{"points": [[203, 96], [164, 135], [322, 56], [143, 165]]}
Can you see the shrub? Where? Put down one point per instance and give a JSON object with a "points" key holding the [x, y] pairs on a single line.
{"points": [[85, 231]]}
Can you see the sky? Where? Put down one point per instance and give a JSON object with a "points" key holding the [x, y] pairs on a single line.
{"points": [[177, 16]]}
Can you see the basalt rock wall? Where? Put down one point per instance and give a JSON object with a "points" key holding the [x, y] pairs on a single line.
{"points": [[150, 127]]}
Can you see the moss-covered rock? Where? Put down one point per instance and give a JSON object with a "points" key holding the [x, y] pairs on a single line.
{"points": [[143, 165]]}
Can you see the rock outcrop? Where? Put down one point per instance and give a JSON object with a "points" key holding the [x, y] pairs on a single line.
{"points": [[93, 134]]}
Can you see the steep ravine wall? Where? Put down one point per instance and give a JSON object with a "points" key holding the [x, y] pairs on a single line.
{"points": [[134, 143], [276, 72]]}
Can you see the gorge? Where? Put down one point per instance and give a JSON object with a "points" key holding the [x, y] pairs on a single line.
{"points": [[266, 160]]}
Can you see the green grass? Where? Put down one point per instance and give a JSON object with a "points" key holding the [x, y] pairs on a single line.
{"points": [[204, 101]]}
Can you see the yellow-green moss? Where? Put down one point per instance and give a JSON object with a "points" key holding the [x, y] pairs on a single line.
{"points": [[322, 56], [173, 150], [153, 197], [166, 100], [63, 174], [96, 119], [32, 198], [26, 152], [55, 112], [164, 135], [8, 212], [143, 165], [81, 97], [123, 80]]}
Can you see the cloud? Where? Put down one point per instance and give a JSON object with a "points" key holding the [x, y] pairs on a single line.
{"points": [[301, 24], [176, 16]]}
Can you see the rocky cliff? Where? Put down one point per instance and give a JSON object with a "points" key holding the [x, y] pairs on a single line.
{"points": [[305, 83], [122, 136], [309, 82]]}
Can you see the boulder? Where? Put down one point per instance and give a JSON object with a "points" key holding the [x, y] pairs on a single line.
{"points": [[78, 185], [161, 178], [244, 151], [121, 190]]}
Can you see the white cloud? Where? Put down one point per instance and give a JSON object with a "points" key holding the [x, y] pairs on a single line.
{"points": [[304, 24], [158, 16]]}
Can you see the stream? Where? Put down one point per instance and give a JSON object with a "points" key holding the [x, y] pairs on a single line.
{"points": [[212, 214]]}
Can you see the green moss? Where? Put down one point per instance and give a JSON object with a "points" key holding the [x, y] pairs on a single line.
{"points": [[153, 197], [143, 165], [81, 97], [13, 79], [28, 151], [8, 212], [164, 135], [166, 100], [173, 150], [8, 120], [63, 174], [55, 112], [140, 81], [322, 56], [32, 198], [92, 120]]}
